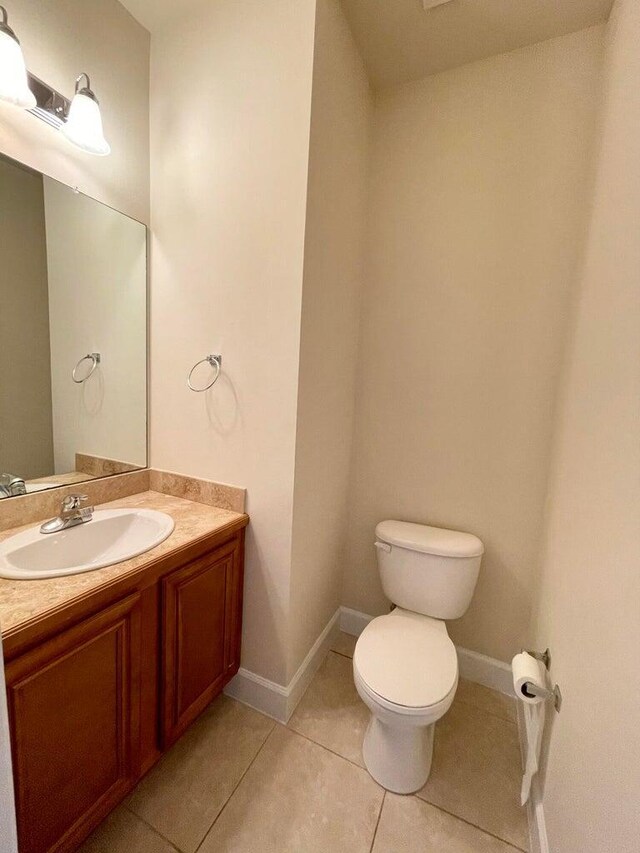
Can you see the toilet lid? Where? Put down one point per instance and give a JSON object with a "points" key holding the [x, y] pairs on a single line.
{"points": [[407, 659]]}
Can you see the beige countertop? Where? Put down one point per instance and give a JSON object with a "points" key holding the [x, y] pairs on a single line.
{"points": [[24, 600]]}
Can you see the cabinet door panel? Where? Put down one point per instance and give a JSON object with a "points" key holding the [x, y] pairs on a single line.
{"points": [[196, 644], [74, 713]]}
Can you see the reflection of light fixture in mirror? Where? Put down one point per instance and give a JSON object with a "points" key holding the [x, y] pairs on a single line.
{"points": [[83, 126], [13, 72]]}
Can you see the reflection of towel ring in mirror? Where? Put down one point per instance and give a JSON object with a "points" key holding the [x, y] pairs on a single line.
{"points": [[216, 362], [93, 357]]}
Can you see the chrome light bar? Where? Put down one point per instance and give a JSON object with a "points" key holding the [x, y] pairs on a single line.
{"points": [[51, 106]]}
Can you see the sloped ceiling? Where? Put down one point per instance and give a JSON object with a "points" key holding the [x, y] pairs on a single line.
{"points": [[400, 41]]}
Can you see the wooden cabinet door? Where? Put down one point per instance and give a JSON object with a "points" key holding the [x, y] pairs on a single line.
{"points": [[198, 613], [74, 715]]}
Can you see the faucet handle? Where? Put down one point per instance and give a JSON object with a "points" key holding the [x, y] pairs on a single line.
{"points": [[72, 513], [72, 503]]}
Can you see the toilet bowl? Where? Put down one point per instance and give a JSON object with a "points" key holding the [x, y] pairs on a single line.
{"points": [[405, 669], [405, 666]]}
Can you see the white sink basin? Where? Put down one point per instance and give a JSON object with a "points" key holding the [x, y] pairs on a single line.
{"points": [[113, 535]]}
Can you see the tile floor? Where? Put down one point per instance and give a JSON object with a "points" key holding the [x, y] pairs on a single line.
{"points": [[237, 782]]}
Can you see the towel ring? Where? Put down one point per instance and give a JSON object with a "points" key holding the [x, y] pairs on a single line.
{"points": [[216, 362], [92, 356]]}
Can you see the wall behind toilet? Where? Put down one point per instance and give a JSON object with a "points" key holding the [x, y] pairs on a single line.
{"points": [[479, 181]]}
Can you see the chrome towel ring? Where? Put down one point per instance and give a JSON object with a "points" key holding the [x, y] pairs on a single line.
{"points": [[93, 357], [216, 362]]}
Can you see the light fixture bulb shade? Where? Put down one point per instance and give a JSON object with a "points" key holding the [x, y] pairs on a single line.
{"points": [[84, 126], [14, 87]]}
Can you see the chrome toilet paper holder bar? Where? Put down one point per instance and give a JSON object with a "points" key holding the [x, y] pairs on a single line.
{"points": [[555, 696]]}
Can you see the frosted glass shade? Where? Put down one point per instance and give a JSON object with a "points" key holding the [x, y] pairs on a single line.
{"points": [[84, 126], [14, 87]]}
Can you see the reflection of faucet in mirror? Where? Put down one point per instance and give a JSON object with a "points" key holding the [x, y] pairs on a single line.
{"points": [[72, 513], [11, 485]]}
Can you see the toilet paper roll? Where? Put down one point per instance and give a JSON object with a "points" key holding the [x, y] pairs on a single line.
{"points": [[525, 669]]}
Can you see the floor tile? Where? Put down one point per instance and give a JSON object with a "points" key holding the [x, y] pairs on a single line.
{"points": [[408, 825], [484, 699], [123, 832], [186, 790], [476, 772], [298, 798], [331, 713], [344, 644]]}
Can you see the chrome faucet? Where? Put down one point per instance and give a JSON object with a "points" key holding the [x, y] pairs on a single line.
{"points": [[11, 485], [72, 513]]}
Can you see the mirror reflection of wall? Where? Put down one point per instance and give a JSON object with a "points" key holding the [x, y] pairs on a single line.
{"points": [[26, 432], [72, 282]]}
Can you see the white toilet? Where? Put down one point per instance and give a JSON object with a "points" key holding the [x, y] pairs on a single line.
{"points": [[405, 665]]}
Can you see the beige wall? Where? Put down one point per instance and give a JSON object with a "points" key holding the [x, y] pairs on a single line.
{"points": [[26, 438], [589, 607], [60, 39], [231, 101], [479, 184], [333, 271], [97, 271]]}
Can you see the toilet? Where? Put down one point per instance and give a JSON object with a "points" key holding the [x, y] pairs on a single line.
{"points": [[405, 665]]}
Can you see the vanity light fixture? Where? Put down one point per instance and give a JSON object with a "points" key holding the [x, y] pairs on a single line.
{"points": [[14, 87], [83, 126], [79, 120]]}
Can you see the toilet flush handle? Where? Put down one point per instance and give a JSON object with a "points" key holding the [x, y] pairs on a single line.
{"points": [[383, 546]]}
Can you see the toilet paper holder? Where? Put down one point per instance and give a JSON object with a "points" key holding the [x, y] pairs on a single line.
{"points": [[531, 689]]}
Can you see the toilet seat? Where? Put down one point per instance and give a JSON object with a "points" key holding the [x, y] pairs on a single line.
{"points": [[407, 663]]}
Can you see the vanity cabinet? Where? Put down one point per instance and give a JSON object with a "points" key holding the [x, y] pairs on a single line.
{"points": [[97, 692]]}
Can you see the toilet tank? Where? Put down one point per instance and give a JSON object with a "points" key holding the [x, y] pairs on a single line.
{"points": [[428, 570]]}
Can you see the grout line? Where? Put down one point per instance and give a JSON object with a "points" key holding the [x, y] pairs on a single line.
{"points": [[375, 831], [228, 800], [480, 710], [151, 827], [333, 752], [470, 823], [342, 654]]}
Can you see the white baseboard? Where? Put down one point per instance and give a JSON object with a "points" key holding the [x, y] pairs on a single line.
{"points": [[265, 696], [312, 662], [482, 669], [353, 622], [473, 666], [538, 840], [276, 700], [279, 701]]}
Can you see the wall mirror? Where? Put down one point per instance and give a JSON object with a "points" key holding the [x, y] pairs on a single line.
{"points": [[73, 335]]}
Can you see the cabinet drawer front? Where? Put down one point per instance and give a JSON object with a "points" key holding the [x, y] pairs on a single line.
{"points": [[74, 713], [196, 603]]}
